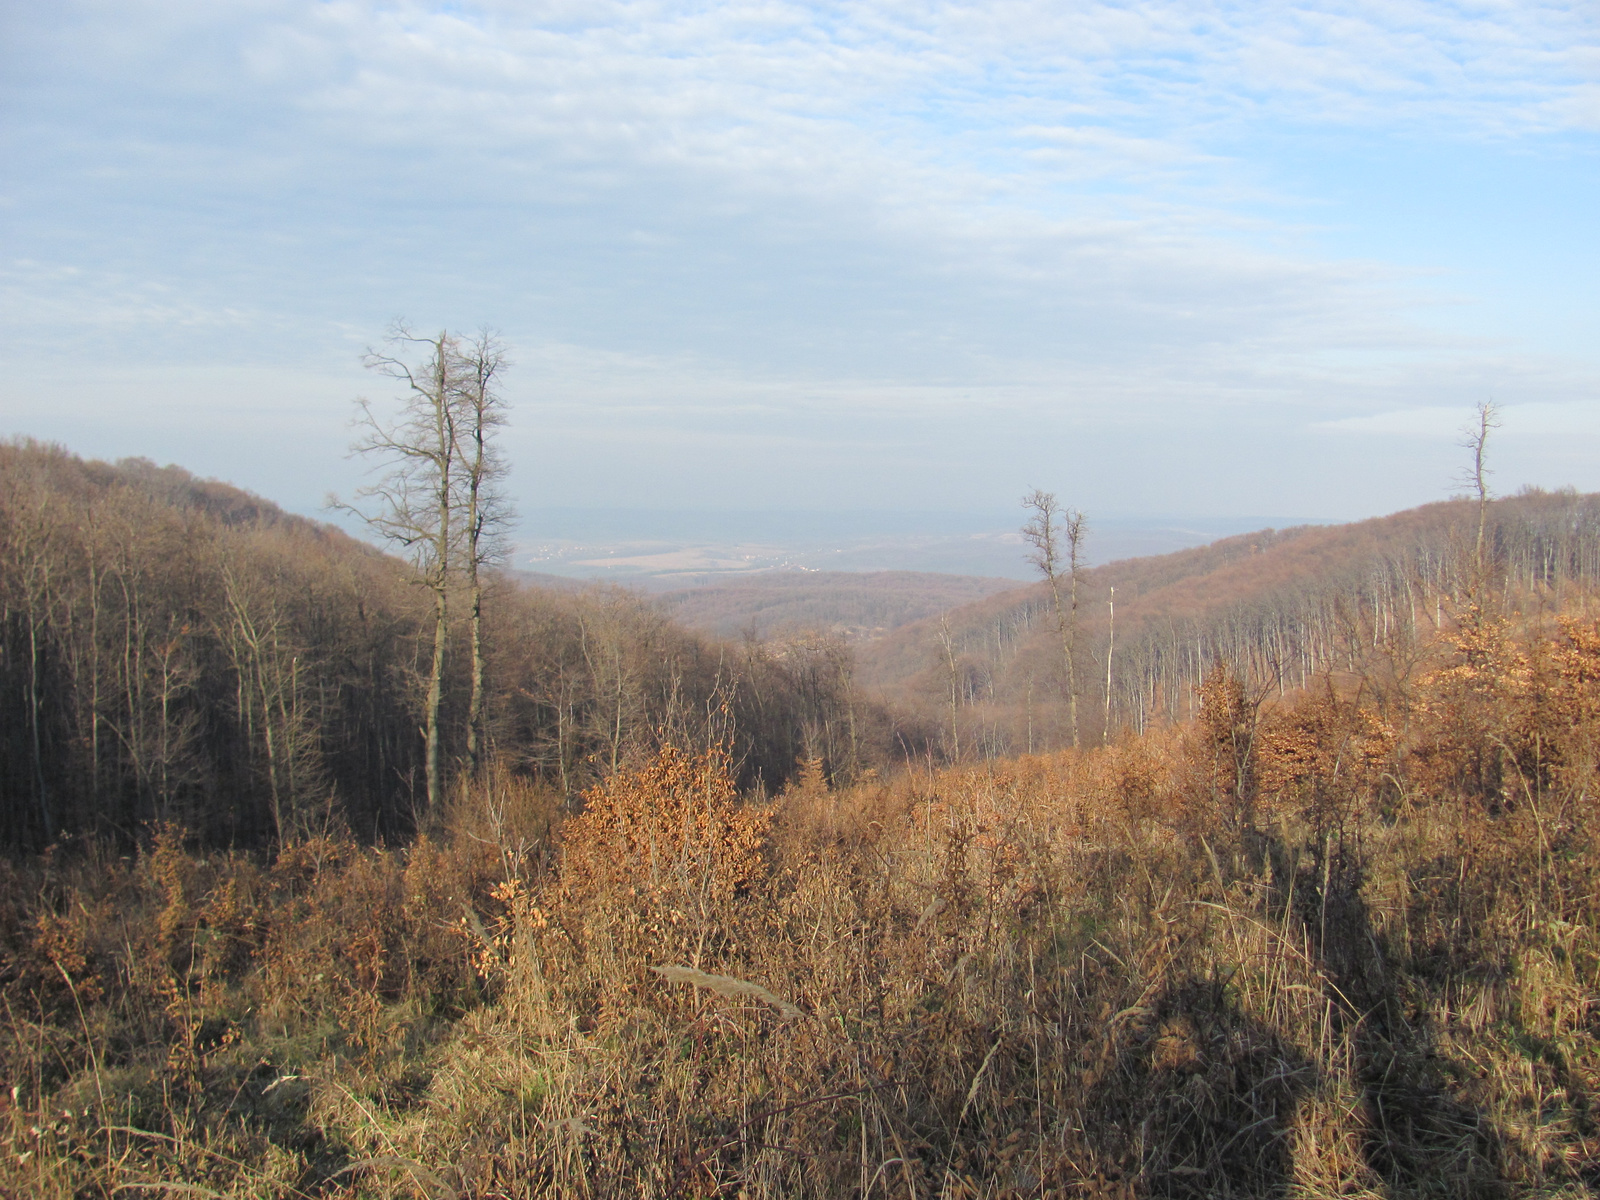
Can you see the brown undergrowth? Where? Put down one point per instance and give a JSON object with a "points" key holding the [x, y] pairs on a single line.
{"points": [[1334, 944]]}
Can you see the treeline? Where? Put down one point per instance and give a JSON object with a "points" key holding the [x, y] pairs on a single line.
{"points": [[173, 649], [1281, 607]]}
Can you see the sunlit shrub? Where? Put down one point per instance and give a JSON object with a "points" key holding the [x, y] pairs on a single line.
{"points": [[674, 825]]}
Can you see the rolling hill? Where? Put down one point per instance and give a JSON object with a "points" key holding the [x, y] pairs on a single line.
{"points": [[1279, 604]]}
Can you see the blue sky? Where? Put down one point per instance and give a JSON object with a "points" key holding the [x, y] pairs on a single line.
{"points": [[1163, 258]]}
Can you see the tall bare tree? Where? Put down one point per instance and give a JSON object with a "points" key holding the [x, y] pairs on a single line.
{"points": [[1111, 647], [1475, 437], [1049, 525], [953, 678], [481, 410], [413, 504], [258, 636]]}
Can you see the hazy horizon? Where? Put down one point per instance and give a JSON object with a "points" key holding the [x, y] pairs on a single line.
{"points": [[658, 547]]}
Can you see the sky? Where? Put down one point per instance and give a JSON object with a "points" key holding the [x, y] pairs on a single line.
{"points": [[1169, 257]]}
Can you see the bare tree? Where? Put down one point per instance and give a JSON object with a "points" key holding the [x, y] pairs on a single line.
{"points": [[1475, 437], [1045, 531], [481, 410], [414, 502], [1111, 646], [258, 636], [947, 642]]}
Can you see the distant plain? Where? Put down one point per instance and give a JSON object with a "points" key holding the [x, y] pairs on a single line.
{"points": [[672, 550]]}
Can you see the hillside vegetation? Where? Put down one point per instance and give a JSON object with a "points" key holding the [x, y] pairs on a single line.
{"points": [[1338, 945], [176, 650], [1321, 922], [1282, 606]]}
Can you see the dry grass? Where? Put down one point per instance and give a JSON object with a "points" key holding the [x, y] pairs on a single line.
{"points": [[1368, 969]]}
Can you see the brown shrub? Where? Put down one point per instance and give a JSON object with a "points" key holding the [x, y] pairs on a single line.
{"points": [[1321, 758], [673, 825]]}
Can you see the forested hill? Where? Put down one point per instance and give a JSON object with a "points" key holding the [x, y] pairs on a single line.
{"points": [[1280, 605], [175, 649]]}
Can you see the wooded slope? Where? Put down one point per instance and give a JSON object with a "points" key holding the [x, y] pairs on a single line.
{"points": [[1345, 944], [175, 649], [1279, 604]]}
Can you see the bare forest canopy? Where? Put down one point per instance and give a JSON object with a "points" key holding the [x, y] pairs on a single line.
{"points": [[1280, 606], [174, 649], [177, 650]]}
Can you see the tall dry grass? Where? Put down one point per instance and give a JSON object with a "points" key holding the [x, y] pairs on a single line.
{"points": [[1317, 948]]}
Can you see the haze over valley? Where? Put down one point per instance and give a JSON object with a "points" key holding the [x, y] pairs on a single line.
{"points": [[666, 549]]}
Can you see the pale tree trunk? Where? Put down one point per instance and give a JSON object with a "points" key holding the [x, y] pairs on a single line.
{"points": [[475, 747], [433, 764], [1111, 645], [1043, 532], [1477, 440], [444, 442], [482, 411], [1074, 531], [948, 643]]}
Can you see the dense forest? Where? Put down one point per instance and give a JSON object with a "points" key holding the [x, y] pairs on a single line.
{"points": [[176, 650]]}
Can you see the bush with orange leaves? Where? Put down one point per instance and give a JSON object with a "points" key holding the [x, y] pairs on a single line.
{"points": [[1510, 717], [661, 867], [674, 824], [1319, 757], [1222, 752], [1322, 757], [1574, 711], [1474, 714]]}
